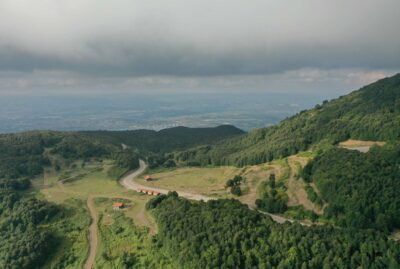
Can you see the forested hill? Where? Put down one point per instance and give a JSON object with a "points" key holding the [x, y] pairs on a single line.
{"points": [[25, 154], [170, 139], [226, 234], [370, 113]]}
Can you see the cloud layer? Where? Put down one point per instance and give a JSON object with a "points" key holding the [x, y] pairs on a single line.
{"points": [[131, 38]]}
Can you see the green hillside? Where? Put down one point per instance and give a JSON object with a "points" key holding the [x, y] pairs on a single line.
{"points": [[227, 234], [170, 139], [361, 189], [25, 154], [371, 113]]}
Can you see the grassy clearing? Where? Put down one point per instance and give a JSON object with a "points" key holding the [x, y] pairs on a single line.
{"points": [[210, 181], [254, 176], [285, 167], [74, 171], [99, 184], [71, 228], [124, 244], [207, 181], [297, 188], [360, 145]]}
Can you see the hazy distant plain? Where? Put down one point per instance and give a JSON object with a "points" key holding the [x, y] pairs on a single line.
{"points": [[149, 111]]}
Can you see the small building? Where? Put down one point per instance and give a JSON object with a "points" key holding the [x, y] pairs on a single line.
{"points": [[117, 206], [149, 192], [148, 178]]}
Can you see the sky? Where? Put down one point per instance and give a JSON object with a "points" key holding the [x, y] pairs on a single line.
{"points": [[83, 47]]}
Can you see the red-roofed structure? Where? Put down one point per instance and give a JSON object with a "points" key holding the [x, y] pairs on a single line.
{"points": [[118, 205]]}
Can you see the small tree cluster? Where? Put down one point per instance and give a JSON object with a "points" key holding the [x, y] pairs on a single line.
{"points": [[270, 200], [234, 184]]}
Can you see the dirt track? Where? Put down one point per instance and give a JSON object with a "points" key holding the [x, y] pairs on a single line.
{"points": [[93, 235]]}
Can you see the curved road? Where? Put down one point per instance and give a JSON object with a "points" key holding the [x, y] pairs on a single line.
{"points": [[129, 183]]}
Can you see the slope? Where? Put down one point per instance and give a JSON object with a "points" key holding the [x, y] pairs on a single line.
{"points": [[371, 113]]}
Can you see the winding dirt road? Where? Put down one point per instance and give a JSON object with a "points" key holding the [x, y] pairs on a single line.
{"points": [[93, 236], [129, 182]]}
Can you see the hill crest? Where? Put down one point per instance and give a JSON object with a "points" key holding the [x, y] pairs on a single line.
{"points": [[370, 113]]}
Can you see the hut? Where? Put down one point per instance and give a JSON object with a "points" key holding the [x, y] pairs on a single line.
{"points": [[117, 206], [148, 178]]}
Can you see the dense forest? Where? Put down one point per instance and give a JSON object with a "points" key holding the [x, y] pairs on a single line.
{"points": [[25, 154], [124, 161], [362, 189], [371, 113], [23, 244], [168, 140], [22, 154], [227, 234]]}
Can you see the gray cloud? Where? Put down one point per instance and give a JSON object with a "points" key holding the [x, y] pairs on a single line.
{"points": [[106, 47], [197, 38]]}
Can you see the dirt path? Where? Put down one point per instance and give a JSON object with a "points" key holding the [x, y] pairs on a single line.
{"points": [[93, 235]]}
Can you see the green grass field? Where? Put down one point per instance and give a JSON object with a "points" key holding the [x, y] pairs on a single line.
{"points": [[124, 244], [99, 184], [207, 181], [71, 227], [210, 181], [125, 236]]}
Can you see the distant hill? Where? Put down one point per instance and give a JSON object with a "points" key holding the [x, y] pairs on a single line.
{"points": [[370, 113], [168, 140], [25, 154]]}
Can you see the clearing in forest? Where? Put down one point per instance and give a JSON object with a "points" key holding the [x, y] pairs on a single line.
{"points": [[296, 187], [360, 145], [196, 180]]}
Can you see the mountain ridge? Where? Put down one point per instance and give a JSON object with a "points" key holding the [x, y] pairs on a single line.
{"points": [[370, 113]]}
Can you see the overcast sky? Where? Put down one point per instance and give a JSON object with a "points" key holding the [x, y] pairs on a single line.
{"points": [[103, 46]]}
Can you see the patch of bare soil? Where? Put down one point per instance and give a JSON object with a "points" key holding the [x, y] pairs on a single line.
{"points": [[360, 145], [255, 175], [296, 186]]}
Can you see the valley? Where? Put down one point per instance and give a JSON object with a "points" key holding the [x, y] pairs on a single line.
{"points": [[92, 184], [277, 197], [95, 192]]}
